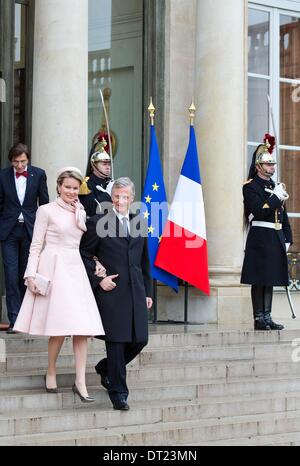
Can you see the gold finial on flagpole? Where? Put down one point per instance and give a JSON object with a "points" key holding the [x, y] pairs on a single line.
{"points": [[192, 111], [151, 110]]}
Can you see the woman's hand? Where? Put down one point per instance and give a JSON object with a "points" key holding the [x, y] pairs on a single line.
{"points": [[75, 202], [107, 284], [31, 285], [100, 271]]}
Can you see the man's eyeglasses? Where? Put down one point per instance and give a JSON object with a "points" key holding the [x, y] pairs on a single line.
{"points": [[19, 162]]}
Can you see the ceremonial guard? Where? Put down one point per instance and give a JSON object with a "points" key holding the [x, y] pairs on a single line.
{"points": [[96, 187], [265, 264]]}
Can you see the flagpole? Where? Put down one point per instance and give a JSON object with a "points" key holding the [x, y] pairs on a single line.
{"points": [[192, 112], [186, 302], [151, 110]]}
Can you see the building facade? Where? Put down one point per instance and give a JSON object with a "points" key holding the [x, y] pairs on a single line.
{"points": [[228, 55]]}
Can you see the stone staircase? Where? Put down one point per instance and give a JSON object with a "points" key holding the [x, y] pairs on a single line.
{"points": [[194, 385]]}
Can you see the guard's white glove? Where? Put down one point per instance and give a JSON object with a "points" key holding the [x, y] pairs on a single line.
{"points": [[109, 186], [287, 246], [107, 189], [280, 192]]}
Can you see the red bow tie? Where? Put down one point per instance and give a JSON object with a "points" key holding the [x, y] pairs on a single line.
{"points": [[25, 173]]}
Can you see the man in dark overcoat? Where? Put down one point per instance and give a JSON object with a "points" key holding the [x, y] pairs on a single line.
{"points": [[265, 264], [22, 189], [124, 294]]}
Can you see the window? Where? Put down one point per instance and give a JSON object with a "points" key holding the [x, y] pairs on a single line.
{"points": [[116, 67], [16, 56], [274, 70]]}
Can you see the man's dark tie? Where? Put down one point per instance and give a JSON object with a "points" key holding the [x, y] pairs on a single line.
{"points": [[25, 173], [125, 226]]}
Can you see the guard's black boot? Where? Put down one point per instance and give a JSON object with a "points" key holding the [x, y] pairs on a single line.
{"points": [[259, 322], [271, 323], [257, 295], [268, 297]]}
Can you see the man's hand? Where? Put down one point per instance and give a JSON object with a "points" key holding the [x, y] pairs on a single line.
{"points": [[107, 284], [149, 303]]}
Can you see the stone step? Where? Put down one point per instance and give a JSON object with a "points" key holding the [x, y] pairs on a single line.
{"points": [[65, 378], [249, 385], [273, 352], [168, 433], [27, 344], [92, 417], [38, 399], [278, 440], [34, 379]]}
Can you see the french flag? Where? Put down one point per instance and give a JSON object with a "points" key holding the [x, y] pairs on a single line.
{"points": [[183, 246]]}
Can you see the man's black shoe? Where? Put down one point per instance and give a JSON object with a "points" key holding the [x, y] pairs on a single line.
{"points": [[121, 405], [104, 379], [11, 330]]}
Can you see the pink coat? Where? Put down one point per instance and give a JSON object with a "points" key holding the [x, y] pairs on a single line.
{"points": [[70, 307]]}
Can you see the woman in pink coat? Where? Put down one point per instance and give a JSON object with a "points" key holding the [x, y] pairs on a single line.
{"points": [[69, 308]]}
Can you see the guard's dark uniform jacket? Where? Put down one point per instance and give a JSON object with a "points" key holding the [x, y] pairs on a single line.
{"points": [[265, 260], [91, 199]]}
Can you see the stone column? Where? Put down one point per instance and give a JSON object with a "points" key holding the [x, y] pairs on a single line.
{"points": [[180, 43], [221, 97], [60, 86]]}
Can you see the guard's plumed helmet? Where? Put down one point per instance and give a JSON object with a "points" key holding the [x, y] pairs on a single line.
{"points": [[101, 155], [264, 152]]}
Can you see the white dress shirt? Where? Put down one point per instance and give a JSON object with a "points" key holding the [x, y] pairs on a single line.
{"points": [[121, 216], [21, 184]]}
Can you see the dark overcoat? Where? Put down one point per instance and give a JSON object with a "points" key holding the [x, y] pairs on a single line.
{"points": [[36, 194], [92, 200], [265, 260], [124, 308]]}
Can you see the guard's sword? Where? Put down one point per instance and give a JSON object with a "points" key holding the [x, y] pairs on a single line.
{"points": [[290, 302], [108, 132], [278, 171], [275, 134]]}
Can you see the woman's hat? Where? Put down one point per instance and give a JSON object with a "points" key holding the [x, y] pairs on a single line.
{"points": [[69, 169]]}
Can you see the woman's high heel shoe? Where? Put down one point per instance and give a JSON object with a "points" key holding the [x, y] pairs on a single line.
{"points": [[84, 399], [49, 390]]}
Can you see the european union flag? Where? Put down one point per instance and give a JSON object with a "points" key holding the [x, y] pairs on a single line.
{"points": [[155, 210]]}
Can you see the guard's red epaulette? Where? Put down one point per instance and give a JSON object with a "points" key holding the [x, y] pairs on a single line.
{"points": [[84, 190]]}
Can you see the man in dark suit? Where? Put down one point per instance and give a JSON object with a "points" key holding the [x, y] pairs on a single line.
{"points": [[22, 189], [124, 294]]}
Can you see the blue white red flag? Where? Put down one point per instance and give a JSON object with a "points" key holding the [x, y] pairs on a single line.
{"points": [[183, 247], [155, 211]]}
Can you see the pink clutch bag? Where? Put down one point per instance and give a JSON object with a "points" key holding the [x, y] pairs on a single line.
{"points": [[43, 284]]}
